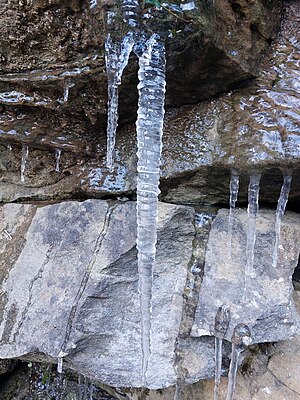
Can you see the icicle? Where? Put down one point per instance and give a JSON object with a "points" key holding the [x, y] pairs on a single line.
{"points": [[240, 340], [93, 4], [221, 325], [116, 59], [57, 159], [178, 389], [149, 135], [282, 201], [253, 195], [234, 190], [91, 391], [25, 152], [59, 364]]}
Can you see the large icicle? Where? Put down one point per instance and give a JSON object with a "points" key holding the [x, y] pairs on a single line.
{"points": [[253, 195], [234, 191], [221, 325], [240, 340], [149, 125], [282, 202]]}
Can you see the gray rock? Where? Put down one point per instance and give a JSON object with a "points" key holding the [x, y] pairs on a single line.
{"points": [[73, 288], [268, 307]]}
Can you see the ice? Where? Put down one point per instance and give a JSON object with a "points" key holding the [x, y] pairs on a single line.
{"points": [[253, 196], [234, 191], [116, 58], [25, 153], [59, 364], [240, 340], [149, 136], [57, 159], [282, 202], [221, 325]]}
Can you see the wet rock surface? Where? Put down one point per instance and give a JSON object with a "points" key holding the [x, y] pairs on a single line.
{"points": [[256, 127]]}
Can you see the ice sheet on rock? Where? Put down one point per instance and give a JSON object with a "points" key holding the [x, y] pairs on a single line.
{"points": [[282, 202], [149, 126]]}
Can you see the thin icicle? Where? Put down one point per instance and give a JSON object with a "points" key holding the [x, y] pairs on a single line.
{"points": [[282, 202], [116, 58], [57, 159], [253, 196], [240, 341], [221, 325], [234, 191], [149, 135], [25, 152], [178, 389], [59, 364]]}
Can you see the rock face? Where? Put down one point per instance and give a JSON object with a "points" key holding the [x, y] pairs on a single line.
{"points": [[265, 302], [72, 287], [255, 127], [70, 284]]}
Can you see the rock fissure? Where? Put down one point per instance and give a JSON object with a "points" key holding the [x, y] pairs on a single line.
{"points": [[85, 279]]}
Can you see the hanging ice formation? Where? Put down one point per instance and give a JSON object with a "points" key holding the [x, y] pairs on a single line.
{"points": [[57, 159], [25, 152], [116, 58], [221, 325], [282, 201], [253, 195], [150, 51], [234, 191], [240, 340]]}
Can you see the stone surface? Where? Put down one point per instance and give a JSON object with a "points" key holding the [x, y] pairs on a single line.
{"points": [[254, 127], [270, 372], [73, 287], [265, 302]]}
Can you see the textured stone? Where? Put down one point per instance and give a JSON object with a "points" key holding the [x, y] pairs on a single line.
{"points": [[256, 127], [73, 287], [268, 307]]}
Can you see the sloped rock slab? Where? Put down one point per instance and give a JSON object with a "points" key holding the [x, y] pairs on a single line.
{"points": [[73, 287], [268, 307]]}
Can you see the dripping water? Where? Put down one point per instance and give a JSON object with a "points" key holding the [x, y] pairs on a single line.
{"points": [[149, 125], [240, 341], [222, 320], [57, 159], [253, 196], [282, 202], [25, 152], [234, 190]]}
